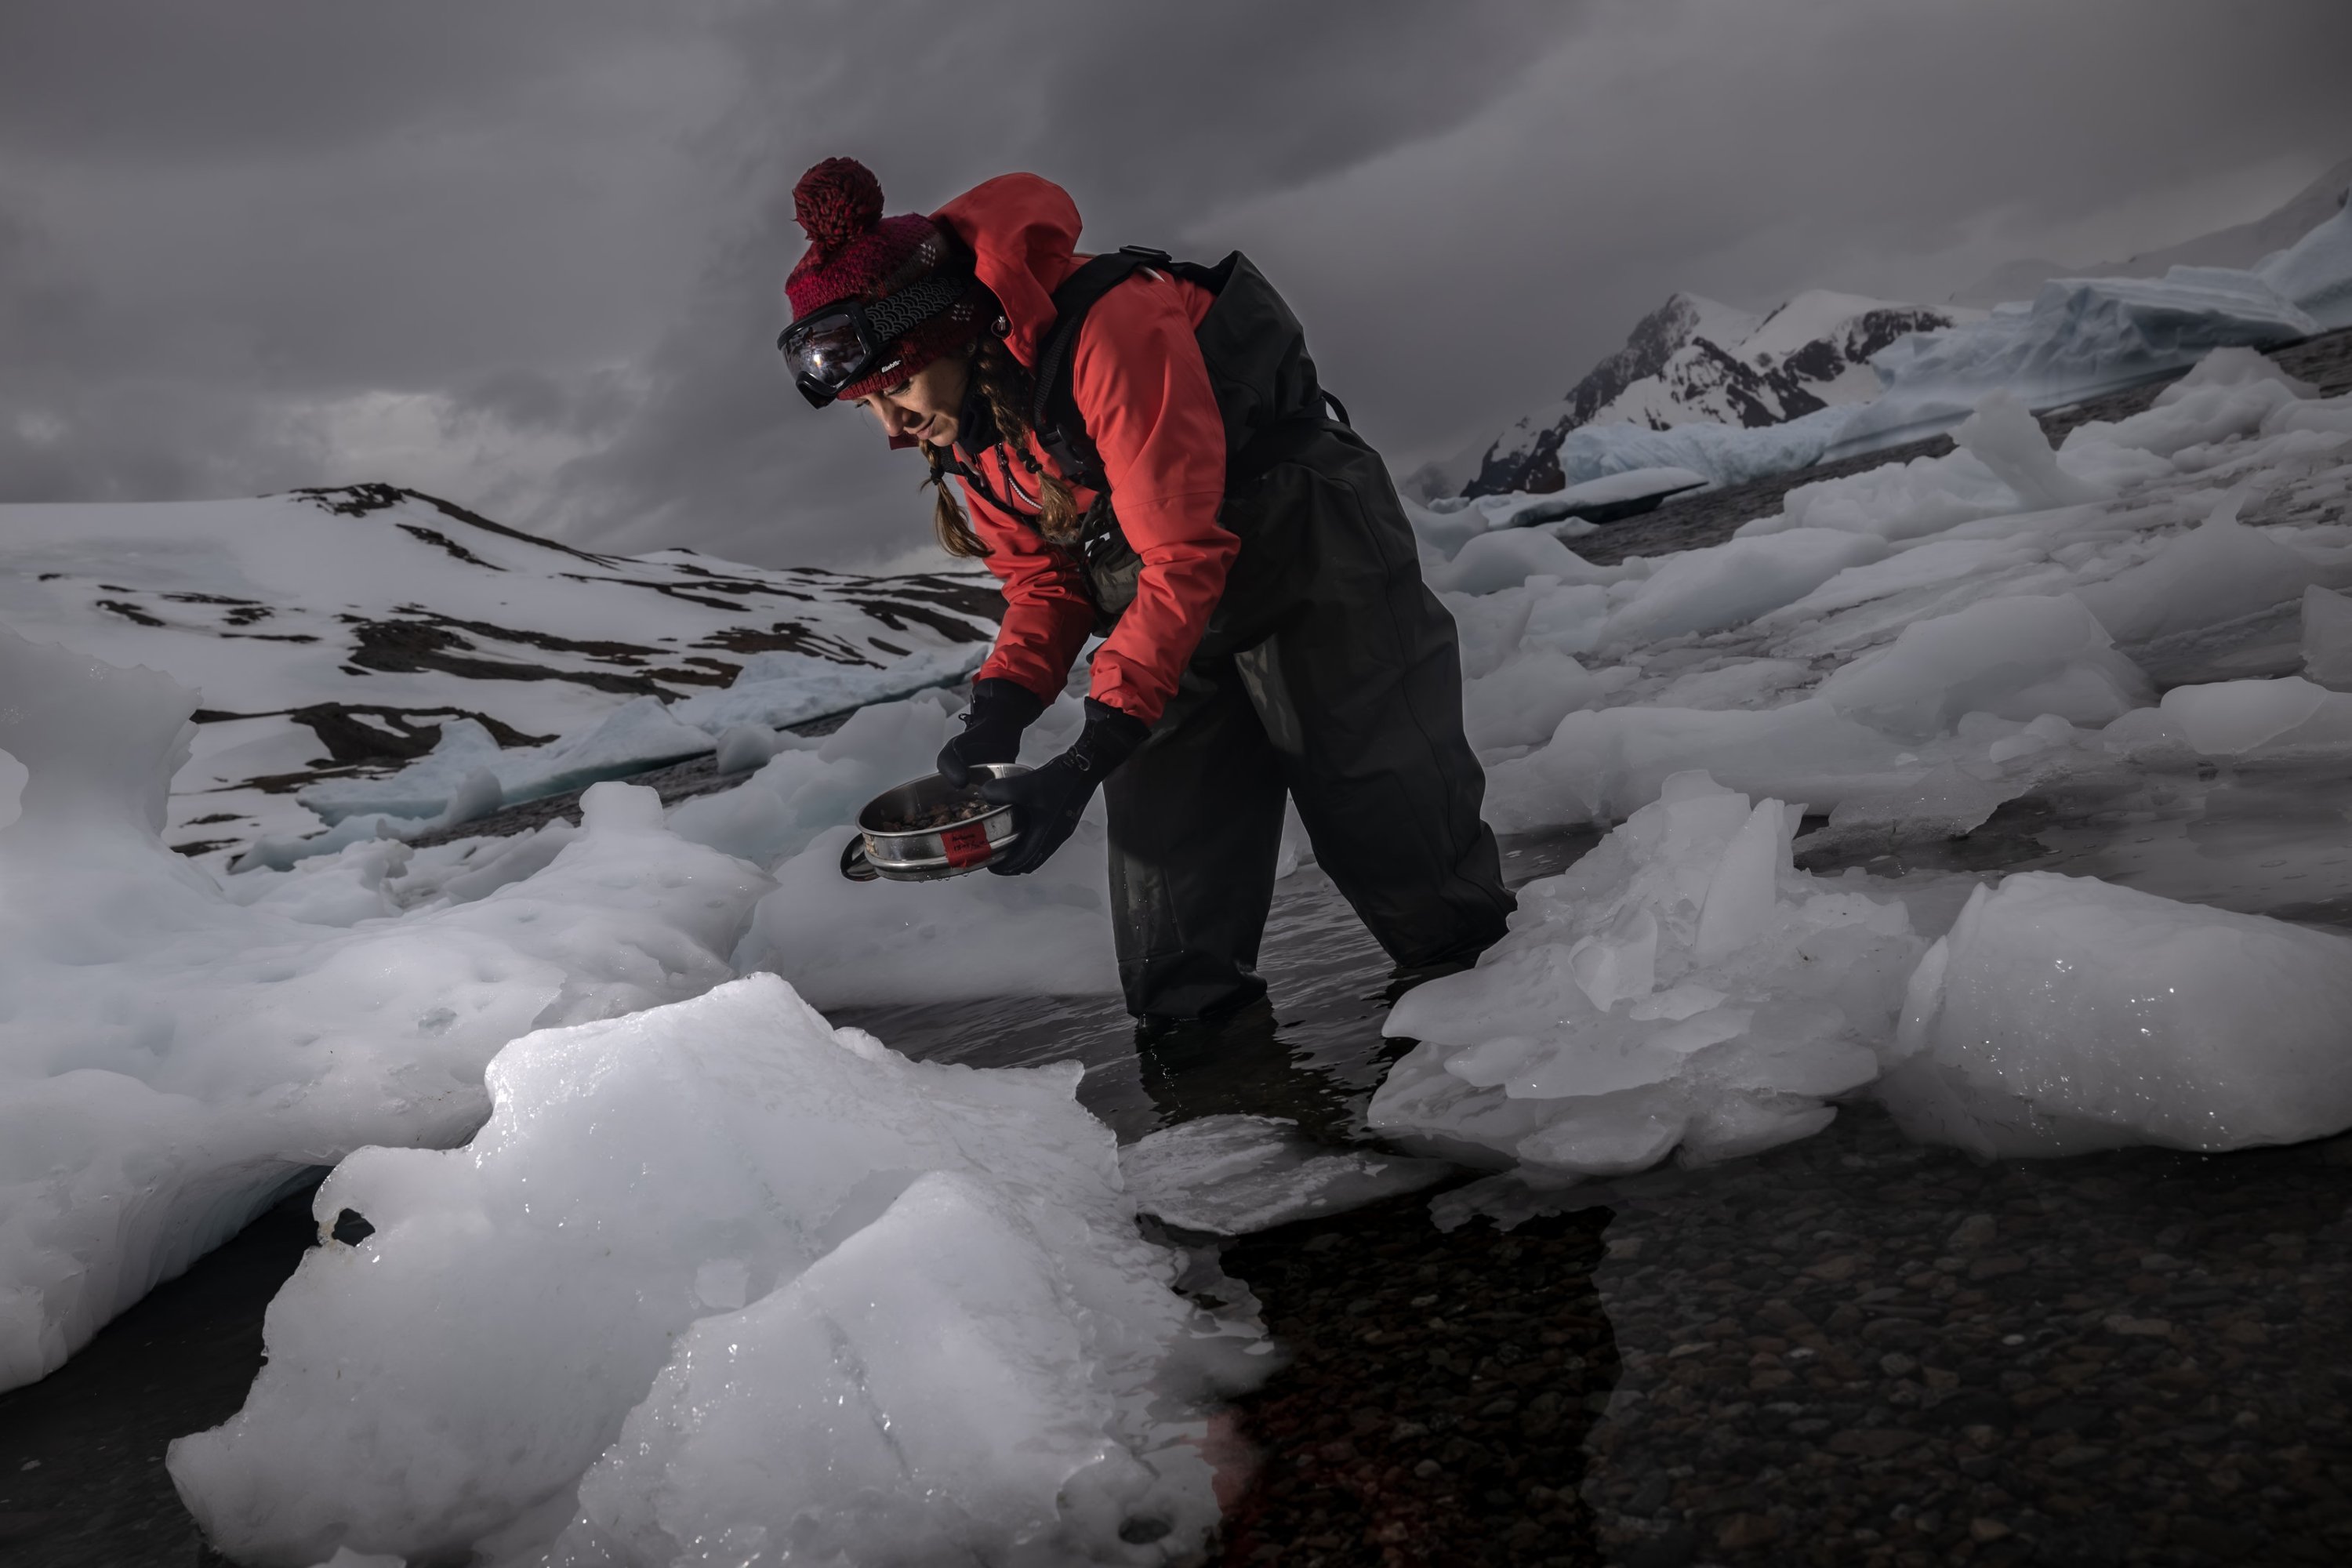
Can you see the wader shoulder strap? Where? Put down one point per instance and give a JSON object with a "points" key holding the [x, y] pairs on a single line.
{"points": [[1254, 347], [1061, 430]]}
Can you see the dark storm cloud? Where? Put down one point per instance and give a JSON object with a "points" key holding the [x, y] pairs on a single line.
{"points": [[530, 250], [158, 82]]}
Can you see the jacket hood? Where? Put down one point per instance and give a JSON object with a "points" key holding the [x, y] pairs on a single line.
{"points": [[1024, 234]]}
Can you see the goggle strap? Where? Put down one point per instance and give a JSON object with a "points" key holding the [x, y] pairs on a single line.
{"points": [[894, 315]]}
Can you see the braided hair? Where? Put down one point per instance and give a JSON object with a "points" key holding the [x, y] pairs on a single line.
{"points": [[1004, 384]]}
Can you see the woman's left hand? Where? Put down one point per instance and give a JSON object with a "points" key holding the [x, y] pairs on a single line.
{"points": [[1047, 801]]}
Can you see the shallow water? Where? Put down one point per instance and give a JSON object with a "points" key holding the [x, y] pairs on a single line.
{"points": [[1857, 1350], [1314, 1052]]}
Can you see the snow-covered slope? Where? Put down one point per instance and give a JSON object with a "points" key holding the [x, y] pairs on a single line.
{"points": [[2240, 245], [335, 636], [1693, 360]]}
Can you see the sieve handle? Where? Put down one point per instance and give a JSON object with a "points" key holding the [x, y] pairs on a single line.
{"points": [[853, 863]]}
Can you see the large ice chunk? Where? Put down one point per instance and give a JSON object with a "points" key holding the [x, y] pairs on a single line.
{"points": [[1521, 703], [2017, 658], [762, 1282], [1603, 763], [1682, 986], [1508, 557], [1722, 454], [1727, 583], [2002, 435], [2237, 718], [2217, 573], [1893, 500], [2228, 394], [924, 1393], [2064, 1013]]}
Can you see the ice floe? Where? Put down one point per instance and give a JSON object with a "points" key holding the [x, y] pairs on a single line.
{"points": [[2158, 595], [1681, 987], [1234, 1174], [2064, 1013], [718, 1276], [169, 1058]]}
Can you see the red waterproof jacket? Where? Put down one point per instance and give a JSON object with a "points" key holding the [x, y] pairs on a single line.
{"points": [[1143, 391]]}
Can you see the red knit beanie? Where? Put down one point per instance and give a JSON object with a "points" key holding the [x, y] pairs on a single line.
{"points": [[856, 253]]}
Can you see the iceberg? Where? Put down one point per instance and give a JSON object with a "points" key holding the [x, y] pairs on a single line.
{"points": [[2079, 338]]}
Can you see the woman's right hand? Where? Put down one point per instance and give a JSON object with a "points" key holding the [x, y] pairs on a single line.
{"points": [[1001, 711]]}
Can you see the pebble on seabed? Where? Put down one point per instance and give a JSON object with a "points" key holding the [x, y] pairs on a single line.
{"points": [[1860, 1352]]}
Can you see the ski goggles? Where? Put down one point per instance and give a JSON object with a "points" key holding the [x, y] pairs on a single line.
{"points": [[844, 344]]}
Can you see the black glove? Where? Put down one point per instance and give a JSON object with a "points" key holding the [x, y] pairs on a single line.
{"points": [[1048, 802], [1000, 710]]}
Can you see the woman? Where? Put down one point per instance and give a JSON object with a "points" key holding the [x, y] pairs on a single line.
{"points": [[1266, 630]]}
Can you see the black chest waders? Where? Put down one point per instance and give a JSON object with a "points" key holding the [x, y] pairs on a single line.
{"points": [[1329, 673]]}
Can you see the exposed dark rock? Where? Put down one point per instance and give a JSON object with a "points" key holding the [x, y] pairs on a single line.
{"points": [[1704, 378], [441, 540], [356, 734]]}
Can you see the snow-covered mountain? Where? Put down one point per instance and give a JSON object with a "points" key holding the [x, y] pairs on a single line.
{"points": [[1693, 359], [338, 636]]}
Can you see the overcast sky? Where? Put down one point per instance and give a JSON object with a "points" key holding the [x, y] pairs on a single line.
{"points": [[527, 254]]}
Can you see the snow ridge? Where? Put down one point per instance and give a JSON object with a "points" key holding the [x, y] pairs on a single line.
{"points": [[336, 635]]}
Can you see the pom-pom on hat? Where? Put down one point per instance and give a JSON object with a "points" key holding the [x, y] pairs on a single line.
{"points": [[856, 253]]}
